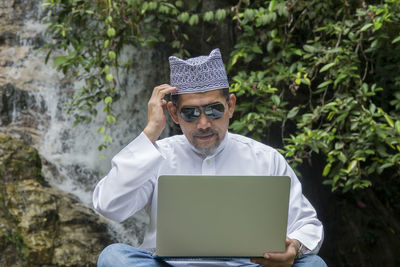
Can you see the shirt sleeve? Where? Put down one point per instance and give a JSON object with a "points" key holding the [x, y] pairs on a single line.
{"points": [[303, 223], [129, 185]]}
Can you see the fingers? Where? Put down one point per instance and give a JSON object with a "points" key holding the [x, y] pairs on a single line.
{"points": [[162, 90], [279, 258], [287, 256], [157, 103], [259, 261], [156, 111], [274, 260]]}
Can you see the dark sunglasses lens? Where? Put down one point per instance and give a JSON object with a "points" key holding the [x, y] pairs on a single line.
{"points": [[215, 110], [190, 114]]}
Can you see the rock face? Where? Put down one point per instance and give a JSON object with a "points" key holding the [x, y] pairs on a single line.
{"points": [[33, 97], [41, 225], [21, 111]]}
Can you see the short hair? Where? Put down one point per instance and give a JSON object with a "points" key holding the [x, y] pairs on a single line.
{"points": [[224, 91]]}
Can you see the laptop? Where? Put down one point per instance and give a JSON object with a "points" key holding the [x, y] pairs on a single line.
{"points": [[221, 216]]}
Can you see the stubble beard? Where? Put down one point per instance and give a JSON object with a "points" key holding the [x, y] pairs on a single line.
{"points": [[208, 150]]}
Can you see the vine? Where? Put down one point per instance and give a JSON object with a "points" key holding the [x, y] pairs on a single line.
{"points": [[322, 74]]}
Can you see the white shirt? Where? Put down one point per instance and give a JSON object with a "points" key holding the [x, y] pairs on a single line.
{"points": [[131, 183]]}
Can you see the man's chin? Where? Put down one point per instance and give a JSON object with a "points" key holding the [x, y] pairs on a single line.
{"points": [[206, 146], [207, 151]]}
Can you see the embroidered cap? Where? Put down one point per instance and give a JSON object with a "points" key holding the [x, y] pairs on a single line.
{"points": [[198, 74]]}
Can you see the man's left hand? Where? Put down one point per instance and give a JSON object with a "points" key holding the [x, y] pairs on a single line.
{"points": [[272, 259]]}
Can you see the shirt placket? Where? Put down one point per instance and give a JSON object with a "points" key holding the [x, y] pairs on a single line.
{"points": [[208, 166]]}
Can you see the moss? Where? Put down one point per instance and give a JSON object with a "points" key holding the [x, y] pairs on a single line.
{"points": [[4, 212], [14, 239], [19, 161], [2, 169]]}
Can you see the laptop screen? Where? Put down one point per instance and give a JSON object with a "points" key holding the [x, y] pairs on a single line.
{"points": [[221, 216]]}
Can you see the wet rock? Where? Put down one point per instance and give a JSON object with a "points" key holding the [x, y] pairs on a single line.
{"points": [[23, 72], [17, 118], [41, 225]]}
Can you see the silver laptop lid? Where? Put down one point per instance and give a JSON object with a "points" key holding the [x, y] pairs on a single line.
{"points": [[221, 216]]}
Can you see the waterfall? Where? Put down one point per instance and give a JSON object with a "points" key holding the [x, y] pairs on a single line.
{"points": [[32, 106]]}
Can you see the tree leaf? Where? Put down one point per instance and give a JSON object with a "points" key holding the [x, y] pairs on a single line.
{"points": [[183, 17], [395, 40], [101, 130], [293, 112], [60, 60], [220, 14], [111, 32], [112, 55], [327, 169], [111, 119], [106, 44], [397, 127], [352, 165], [271, 6], [257, 49], [194, 20], [108, 100], [327, 67], [109, 77], [366, 27], [276, 99], [208, 16], [309, 48], [389, 120], [387, 117], [324, 84], [249, 14]]}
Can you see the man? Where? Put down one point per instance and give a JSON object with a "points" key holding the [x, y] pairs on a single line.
{"points": [[202, 106]]}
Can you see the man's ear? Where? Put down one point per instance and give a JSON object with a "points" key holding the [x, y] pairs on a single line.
{"points": [[173, 111], [231, 104]]}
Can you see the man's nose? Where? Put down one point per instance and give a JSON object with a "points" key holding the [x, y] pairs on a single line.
{"points": [[203, 121]]}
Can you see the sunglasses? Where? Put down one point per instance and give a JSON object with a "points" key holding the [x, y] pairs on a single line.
{"points": [[214, 111]]}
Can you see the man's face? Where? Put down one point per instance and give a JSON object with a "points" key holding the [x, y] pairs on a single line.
{"points": [[204, 133]]}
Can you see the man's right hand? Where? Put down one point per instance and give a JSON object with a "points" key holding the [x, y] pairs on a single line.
{"points": [[156, 109]]}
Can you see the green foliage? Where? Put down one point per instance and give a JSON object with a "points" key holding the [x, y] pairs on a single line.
{"points": [[325, 73], [333, 67]]}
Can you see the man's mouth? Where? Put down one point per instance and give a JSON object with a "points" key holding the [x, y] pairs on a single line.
{"points": [[204, 136]]}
